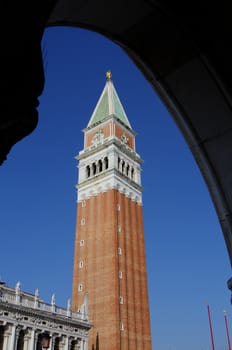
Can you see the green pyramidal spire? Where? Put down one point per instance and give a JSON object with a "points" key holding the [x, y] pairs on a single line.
{"points": [[108, 104]]}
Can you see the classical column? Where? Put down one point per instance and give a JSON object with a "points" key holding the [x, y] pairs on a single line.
{"points": [[51, 344], [91, 170], [137, 176], [32, 340], [97, 168], [84, 345], [67, 343], [27, 338], [11, 343], [52, 341], [62, 343], [6, 337]]}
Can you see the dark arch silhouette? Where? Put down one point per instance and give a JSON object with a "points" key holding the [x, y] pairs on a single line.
{"points": [[182, 50]]}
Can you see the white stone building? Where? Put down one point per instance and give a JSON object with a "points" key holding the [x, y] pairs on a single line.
{"points": [[28, 323]]}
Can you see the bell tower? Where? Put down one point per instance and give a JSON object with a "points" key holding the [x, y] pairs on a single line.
{"points": [[109, 258]]}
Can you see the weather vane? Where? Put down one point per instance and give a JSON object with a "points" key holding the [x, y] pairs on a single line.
{"points": [[108, 75]]}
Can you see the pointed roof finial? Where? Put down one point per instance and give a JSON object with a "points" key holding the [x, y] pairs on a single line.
{"points": [[108, 75], [108, 104]]}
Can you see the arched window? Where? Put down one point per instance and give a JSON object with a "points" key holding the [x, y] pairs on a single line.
{"points": [[88, 171], [73, 345], [57, 343], [127, 169], [20, 342], [119, 160], [132, 173], [106, 162], [43, 341], [94, 168], [100, 165], [123, 166], [38, 344]]}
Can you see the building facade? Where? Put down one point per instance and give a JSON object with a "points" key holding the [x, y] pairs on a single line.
{"points": [[27, 323], [109, 259]]}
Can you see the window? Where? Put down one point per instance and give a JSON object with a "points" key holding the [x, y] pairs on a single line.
{"points": [[80, 287], [83, 204], [120, 275], [82, 221], [81, 264], [119, 228], [100, 165], [94, 167], [88, 171], [118, 207], [120, 300], [121, 326], [132, 173], [119, 251], [127, 170], [119, 160], [82, 243], [20, 342], [123, 166], [106, 163]]}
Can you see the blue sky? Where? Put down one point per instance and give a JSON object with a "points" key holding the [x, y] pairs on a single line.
{"points": [[187, 261]]}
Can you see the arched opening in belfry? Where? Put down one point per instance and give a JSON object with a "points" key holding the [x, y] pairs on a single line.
{"points": [[119, 161], [132, 173], [100, 166], [123, 166], [106, 163], [94, 167], [88, 171], [127, 169]]}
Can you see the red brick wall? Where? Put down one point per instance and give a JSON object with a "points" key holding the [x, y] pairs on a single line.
{"points": [[89, 135], [119, 131], [100, 273], [110, 128]]}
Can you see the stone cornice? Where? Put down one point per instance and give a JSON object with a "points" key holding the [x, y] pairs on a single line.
{"points": [[110, 172]]}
